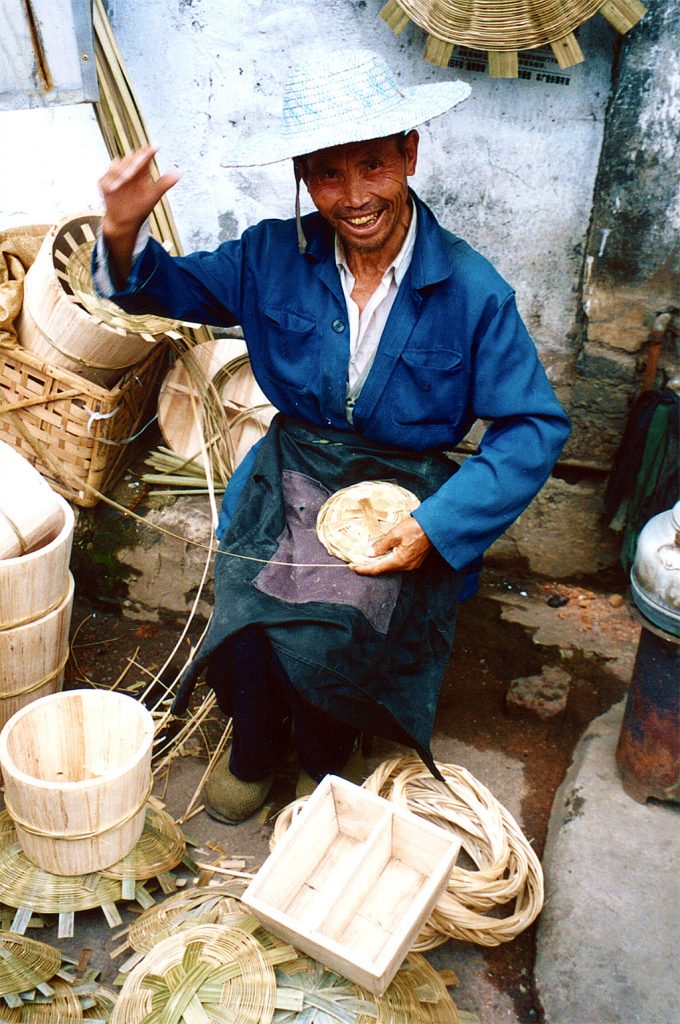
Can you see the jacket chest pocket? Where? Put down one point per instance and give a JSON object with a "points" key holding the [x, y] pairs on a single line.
{"points": [[291, 351], [429, 386]]}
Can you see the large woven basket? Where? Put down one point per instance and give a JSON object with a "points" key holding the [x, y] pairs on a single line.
{"points": [[77, 771], [65, 323]]}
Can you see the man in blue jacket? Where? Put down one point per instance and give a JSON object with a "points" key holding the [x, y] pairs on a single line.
{"points": [[381, 338]]}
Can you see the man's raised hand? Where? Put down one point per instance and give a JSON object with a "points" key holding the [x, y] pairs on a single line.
{"points": [[130, 194]]}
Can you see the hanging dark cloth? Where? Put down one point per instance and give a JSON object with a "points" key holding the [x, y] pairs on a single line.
{"points": [[645, 476], [368, 650]]}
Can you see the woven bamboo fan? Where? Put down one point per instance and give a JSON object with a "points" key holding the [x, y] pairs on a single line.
{"points": [[355, 516], [417, 995], [222, 974], [28, 889], [215, 904], [63, 320], [181, 405], [25, 964], [502, 28]]}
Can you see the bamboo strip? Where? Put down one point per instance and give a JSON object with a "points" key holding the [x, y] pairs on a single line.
{"points": [[503, 64], [623, 14], [567, 51], [437, 51], [394, 17]]}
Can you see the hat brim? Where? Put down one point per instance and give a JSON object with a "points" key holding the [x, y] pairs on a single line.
{"points": [[416, 105]]}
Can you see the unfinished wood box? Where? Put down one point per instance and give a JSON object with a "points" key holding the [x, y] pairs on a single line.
{"points": [[352, 882]]}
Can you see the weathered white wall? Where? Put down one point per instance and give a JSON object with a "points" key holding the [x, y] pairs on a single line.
{"points": [[512, 170]]}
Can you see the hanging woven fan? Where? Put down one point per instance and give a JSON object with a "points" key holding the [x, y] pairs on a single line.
{"points": [[502, 27]]}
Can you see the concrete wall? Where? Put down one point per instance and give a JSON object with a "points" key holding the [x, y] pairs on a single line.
{"points": [[514, 170]]}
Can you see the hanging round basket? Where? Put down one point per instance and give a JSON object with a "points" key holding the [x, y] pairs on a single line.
{"points": [[355, 516], [503, 28]]}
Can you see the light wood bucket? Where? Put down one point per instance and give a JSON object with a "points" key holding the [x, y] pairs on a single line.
{"points": [[77, 770], [33, 657], [33, 585], [29, 509], [76, 329]]}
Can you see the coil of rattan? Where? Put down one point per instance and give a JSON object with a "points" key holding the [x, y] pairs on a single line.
{"points": [[509, 877], [352, 518], [187, 974]]}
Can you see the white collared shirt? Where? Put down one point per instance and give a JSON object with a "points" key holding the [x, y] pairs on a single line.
{"points": [[366, 328]]}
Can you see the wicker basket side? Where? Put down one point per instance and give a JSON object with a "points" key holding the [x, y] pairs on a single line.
{"points": [[85, 430]]}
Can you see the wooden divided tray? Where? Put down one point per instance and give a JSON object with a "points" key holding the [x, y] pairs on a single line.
{"points": [[352, 881]]}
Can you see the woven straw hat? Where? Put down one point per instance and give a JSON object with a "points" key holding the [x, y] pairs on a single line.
{"points": [[341, 96]]}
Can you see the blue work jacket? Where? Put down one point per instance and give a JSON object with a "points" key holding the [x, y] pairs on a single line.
{"points": [[454, 349]]}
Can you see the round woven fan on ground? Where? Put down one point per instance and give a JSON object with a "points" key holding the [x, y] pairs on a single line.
{"points": [[63, 1007], [22, 884], [195, 970], [503, 28], [160, 848], [25, 963], [355, 516], [417, 995], [203, 905]]}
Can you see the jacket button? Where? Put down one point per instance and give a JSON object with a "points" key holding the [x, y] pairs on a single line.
{"points": [[338, 326]]}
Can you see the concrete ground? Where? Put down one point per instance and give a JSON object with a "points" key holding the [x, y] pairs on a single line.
{"points": [[605, 950]]}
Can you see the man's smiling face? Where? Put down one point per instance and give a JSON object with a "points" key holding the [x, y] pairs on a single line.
{"points": [[361, 189]]}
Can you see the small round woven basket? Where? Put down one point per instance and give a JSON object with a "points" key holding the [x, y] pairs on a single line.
{"points": [[352, 518], [188, 974]]}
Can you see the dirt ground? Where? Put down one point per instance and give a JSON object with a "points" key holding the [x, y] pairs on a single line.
{"points": [[514, 628]]}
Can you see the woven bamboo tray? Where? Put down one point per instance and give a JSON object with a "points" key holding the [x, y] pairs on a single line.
{"points": [[355, 516], [78, 435], [417, 995], [207, 973], [503, 28]]}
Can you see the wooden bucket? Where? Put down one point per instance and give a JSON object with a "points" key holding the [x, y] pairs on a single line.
{"points": [[29, 509], [62, 320], [77, 770], [248, 410], [33, 657], [33, 585]]}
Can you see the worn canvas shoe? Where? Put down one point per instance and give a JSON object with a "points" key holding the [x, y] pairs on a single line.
{"points": [[230, 799]]}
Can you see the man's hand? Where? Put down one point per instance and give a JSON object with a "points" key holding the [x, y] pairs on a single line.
{"points": [[404, 547], [130, 194]]}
